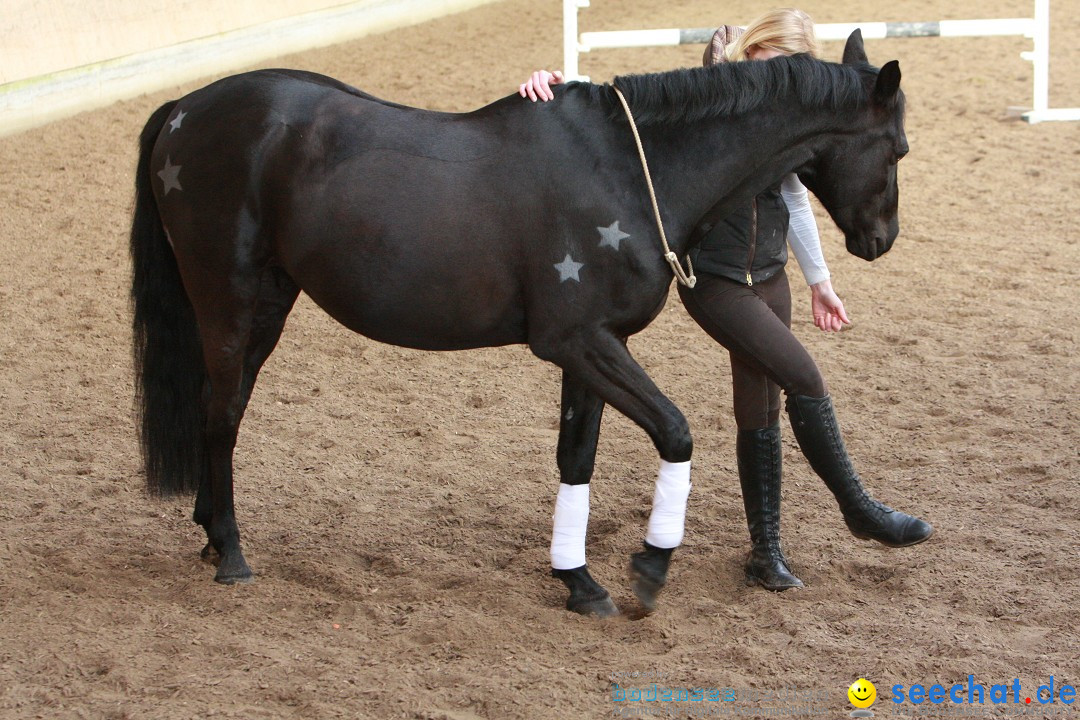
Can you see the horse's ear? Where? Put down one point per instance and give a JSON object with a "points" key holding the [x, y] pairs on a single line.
{"points": [[853, 50], [888, 81]]}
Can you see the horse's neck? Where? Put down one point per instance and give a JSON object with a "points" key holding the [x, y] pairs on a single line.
{"points": [[726, 162]]}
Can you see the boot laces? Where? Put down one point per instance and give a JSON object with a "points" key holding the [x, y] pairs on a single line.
{"points": [[874, 508]]}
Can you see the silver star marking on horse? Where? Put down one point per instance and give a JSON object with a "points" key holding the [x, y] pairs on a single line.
{"points": [[175, 123], [611, 235], [568, 269], [170, 175]]}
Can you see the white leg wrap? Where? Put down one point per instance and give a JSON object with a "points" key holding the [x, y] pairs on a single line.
{"points": [[570, 523], [668, 518]]}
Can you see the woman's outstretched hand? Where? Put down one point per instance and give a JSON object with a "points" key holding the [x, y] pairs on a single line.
{"points": [[539, 85], [829, 313]]}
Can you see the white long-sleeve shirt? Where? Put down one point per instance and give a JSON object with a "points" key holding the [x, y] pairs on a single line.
{"points": [[802, 236]]}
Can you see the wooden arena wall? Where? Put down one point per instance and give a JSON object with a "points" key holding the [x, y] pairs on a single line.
{"points": [[58, 58]]}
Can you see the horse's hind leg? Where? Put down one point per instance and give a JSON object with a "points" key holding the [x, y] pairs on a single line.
{"points": [[277, 294], [579, 430]]}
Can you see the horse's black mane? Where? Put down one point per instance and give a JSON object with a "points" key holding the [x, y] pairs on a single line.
{"points": [[728, 89]]}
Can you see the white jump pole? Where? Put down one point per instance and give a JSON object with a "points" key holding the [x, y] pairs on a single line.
{"points": [[1037, 29], [824, 31]]}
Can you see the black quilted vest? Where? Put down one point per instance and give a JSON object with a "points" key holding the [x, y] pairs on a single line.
{"points": [[731, 248]]}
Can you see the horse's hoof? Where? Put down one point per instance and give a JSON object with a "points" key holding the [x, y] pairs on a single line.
{"points": [[235, 578], [603, 607], [232, 572], [587, 597], [648, 574], [645, 589]]}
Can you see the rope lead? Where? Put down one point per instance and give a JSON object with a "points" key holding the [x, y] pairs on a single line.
{"points": [[684, 278]]}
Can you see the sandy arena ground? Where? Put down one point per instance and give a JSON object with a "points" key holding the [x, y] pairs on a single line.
{"points": [[396, 505]]}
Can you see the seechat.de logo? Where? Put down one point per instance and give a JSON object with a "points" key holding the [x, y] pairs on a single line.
{"points": [[862, 695]]}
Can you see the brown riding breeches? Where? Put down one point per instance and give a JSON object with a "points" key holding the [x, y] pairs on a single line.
{"points": [[754, 324]]}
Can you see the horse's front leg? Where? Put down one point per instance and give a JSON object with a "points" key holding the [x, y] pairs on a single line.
{"points": [[579, 429], [601, 363]]}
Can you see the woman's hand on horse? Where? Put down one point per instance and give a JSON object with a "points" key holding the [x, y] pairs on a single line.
{"points": [[829, 313], [539, 85]]}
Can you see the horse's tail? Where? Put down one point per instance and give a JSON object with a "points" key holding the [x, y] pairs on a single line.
{"points": [[169, 368]]}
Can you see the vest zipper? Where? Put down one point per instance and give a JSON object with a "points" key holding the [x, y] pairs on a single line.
{"points": [[753, 242]]}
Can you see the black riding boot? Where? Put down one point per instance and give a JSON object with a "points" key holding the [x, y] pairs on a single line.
{"points": [[759, 455], [818, 433]]}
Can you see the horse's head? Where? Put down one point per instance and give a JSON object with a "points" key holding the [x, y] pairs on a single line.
{"points": [[854, 176]]}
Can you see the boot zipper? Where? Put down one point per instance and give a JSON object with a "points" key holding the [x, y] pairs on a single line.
{"points": [[753, 242]]}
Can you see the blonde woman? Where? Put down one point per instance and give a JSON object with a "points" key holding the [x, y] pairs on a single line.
{"points": [[742, 299]]}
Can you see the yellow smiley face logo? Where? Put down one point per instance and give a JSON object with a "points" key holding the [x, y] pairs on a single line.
{"points": [[862, 693]]}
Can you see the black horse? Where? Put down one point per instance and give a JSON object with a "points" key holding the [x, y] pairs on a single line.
{"points": [[515, 223]]}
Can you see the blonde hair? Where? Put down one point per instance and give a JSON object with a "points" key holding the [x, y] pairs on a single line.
{"points": [[788, 31]]}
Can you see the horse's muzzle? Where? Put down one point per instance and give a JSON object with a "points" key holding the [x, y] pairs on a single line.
{"points": [[872, 245]]}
